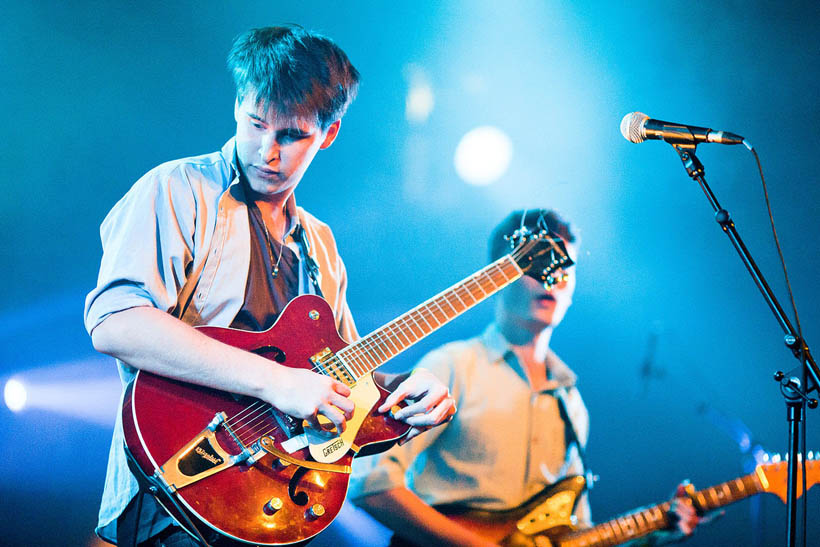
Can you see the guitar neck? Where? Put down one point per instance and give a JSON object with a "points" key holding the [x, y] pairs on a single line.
{"points": [[381, 345], [645, 521]]}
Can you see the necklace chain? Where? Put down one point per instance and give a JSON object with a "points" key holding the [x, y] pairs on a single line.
{"points": [[274, 267]]}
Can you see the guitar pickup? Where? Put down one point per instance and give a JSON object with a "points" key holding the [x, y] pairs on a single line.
{"points": [[332, 365]]}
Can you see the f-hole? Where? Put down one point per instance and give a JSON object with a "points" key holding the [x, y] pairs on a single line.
{"points": [[270, 352], [299, 498]]}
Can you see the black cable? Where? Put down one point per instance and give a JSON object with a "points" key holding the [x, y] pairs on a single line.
{"points": [[799, 334]]}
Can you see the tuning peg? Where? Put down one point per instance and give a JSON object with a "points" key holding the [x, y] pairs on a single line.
{"points": [[776, 458]]}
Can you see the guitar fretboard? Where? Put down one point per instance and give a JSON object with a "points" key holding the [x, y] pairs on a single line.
{"points": [[388, 341], [646, 521]]}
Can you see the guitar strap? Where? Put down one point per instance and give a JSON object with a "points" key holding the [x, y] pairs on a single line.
{"points": [[312, 268], [571, 435]]}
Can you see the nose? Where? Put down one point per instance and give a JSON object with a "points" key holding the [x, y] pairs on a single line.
{"points": [[269, 149]]}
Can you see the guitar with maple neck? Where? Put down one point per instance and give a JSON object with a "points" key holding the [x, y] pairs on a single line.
{"points": [[546, 520]]}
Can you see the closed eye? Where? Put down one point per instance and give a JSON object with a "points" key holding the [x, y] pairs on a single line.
{"points": [[296, 134]]}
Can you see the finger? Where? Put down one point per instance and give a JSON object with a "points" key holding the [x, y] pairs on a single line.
{"points": [[712, 515], [685, 515], [341, 388], [413, 432], [313, 422], [393, 399], [421, 407], [441, 413], [343, 404], [332, 413]]}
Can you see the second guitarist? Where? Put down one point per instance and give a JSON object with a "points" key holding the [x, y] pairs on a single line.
{"points": [[521, 425]]}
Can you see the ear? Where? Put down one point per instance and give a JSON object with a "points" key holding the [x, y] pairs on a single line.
{"points": [[236, 110], [330, 134]]}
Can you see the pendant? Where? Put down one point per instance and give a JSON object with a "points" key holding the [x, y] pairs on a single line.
{"points": [[275, 272]]}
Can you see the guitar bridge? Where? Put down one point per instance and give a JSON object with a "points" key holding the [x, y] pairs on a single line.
{"points": [[202, 457]]}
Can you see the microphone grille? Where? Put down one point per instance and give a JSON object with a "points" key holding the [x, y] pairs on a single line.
{"points": [[632, 126]]}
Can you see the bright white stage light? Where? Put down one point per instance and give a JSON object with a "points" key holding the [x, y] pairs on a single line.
{"points": [[483, 155], [15, 395], [419, 103], [420, 100], [87, 390]]}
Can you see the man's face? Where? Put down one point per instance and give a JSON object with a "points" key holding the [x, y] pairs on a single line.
{"points": [[529, 305], [274, 152]]}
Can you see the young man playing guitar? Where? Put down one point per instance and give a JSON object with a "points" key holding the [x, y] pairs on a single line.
{"points": [[219, 240], [521, 426]]}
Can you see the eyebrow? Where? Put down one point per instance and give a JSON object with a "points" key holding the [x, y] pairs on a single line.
{"points": [[294, 123]]}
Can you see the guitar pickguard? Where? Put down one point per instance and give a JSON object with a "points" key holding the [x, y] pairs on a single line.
{"points": [[554, 511], [364, 394]]}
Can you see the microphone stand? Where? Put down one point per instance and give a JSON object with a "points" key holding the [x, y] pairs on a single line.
{"points": [[795, 389]]}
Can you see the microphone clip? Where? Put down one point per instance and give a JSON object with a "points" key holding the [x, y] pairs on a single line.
{"points": [[690, 161]]}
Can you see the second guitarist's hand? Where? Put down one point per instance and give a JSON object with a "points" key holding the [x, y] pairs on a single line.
{"points": [[430, 402]]}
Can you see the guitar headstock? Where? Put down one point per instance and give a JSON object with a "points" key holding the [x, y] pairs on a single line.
{"points": [[539, 255], [773, 475]]}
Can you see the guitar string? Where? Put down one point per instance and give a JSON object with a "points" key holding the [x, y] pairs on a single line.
{"points": [[362, 351], [250, 428], [251, 422], [387, 334]]}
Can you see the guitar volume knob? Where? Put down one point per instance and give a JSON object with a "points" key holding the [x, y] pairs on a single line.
{"points": [[274, 505], [315, 511]]}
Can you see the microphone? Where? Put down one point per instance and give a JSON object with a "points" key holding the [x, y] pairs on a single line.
{"points": [[637, 127]]}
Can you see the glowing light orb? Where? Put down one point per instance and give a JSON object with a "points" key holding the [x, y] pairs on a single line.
{"points": [[419, 103], [15, 395], [483, 155]]}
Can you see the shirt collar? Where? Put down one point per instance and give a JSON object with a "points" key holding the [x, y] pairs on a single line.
{"points": [[499, 349]]}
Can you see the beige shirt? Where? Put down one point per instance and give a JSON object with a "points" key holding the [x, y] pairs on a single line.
{"points": [[505, 443], [179, 241]]}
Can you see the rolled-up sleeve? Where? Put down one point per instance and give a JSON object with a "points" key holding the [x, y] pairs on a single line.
{"points": [[148, 242]]}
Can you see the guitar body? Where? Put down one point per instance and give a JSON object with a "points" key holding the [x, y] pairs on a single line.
{"points": [[549, 513], [166, 427]]}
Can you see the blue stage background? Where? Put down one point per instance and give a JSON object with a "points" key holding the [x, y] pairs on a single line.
{"points": [[674, 346]]}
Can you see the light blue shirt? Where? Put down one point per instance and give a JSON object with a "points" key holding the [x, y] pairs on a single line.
{"points": [[179, 241], [505, 443]]}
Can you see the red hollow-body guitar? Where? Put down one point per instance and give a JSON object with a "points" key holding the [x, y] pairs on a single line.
{"points": [[229, 466]]}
